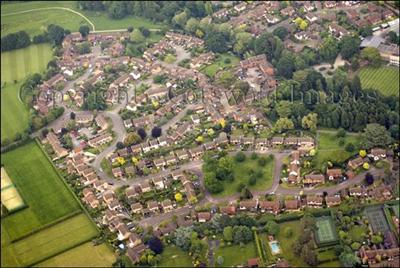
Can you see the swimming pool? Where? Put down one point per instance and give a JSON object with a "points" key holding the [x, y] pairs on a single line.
{"points": [[275, 247]]}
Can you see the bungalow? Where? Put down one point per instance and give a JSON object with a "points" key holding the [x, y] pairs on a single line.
{"points": [[153, 206], [313, 179], [203, 216], [167, 205], [332, 201], [196, 152], [109, 215], [334, 173], [292, 205], [158, 182], [123, 232], [108, 196], [250, 205], [145, 186], [182, 154], [136, 208], [355, 163], [270, 206], [134, 240], [117, 172], [314, 201], [228, 210], [131, 193]]}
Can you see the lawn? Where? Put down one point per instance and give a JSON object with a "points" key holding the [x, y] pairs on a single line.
{"points": [[385, 79], [41, 189], [220, 64], [235, 255], [329, 141], [86, 255], [356, 233], [241, 175], [15, 66], [286, 243], [40, 19], [52, 240], [173, 256]]}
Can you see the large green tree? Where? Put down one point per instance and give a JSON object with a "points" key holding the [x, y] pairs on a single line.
{"points": [[375, 135]]}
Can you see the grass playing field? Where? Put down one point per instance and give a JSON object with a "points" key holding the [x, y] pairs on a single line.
{"points": [[40, 187], [325, 232], [15, 66], [53, 240], [85, 255], [385, 79]]}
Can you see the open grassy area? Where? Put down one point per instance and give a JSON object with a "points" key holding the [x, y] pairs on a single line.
{"points": [[286, 243], [385, 79], [40, 19], [173, 256], [53, 240], [41, 189], [329, 141], [242, 173], [86, 255], [15, 66], [236, 255], [220, 64]]}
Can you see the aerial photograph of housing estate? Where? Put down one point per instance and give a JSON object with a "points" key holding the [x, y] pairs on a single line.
{"points": [[200, 134]]}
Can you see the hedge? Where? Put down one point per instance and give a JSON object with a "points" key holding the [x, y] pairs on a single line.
{"points": [[289, 217]]}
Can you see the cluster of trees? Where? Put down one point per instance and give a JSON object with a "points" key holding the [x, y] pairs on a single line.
{"points": [[217, 168], [304, 245], [337, 102], [188, 240], [238, 234], [15, 40]]}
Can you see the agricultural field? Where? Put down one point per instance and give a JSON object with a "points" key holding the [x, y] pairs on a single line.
{"points": [[242, 173], [85, 255], [385, 79], [52, 240], [221, 63], [15, 66], [40, 187], [325, 233]]}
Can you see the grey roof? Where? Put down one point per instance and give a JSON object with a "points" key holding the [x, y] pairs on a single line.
{"points": [[372, 41]]}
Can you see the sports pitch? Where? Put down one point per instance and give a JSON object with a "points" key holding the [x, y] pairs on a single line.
{"points": [[325, 233], [377, 219]]}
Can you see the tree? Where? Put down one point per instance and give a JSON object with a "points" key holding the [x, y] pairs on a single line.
{"points": [[362, 153], [243, 42], [217, 41], [212, 184], [301, 24], [130, 29], [329, 49], [283, 124], [132, 138], [117, 10], [349, 147], [225, 169], [252, 180], [262, 161], [372, 55], [156, 132], [376, 239], [120, 145], [281, 32], [348, 259], [72, 116], [355, 246], [272, 228], [192, 25], [228, 234], [284, 108], [180, 19], [155, 245], [285, 66], [142, 133], [84, 30], [369, 178], [240, 157], [183, 237], [393, 37], [341, 133], [144, 31], [309, 255], [178, 197], [349, 46], [56, 33], [136, 36], [366, 31], [242, 234], [375, 135], [310, 121]]}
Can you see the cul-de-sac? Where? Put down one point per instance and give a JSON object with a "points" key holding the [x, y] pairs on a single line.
{"points": [[200, 134]]}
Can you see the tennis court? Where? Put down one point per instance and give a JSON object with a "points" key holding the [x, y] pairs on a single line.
{"points": [[377, 219], [325, 233]]}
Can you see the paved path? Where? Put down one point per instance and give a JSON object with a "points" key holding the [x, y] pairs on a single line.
{"points": [[52, 8]]}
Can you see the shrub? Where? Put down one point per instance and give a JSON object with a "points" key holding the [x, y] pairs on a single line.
{"points": [[288, 232], [341, 142], [240, 157], [227, 61], [262, 161], [253, 156], [349, 147], [252, 180]]}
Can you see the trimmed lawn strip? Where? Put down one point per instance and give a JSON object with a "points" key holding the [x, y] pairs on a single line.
{"points": [[85, 255], [384, 79]]}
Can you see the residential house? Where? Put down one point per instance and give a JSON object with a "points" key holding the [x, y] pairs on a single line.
{"points": [[167, 205], [358, 192], [123, 232], [228, 210], [101, 122], [313, 179], [355, 163], [270, 206], [332, 201], [314, 201], [100, 140], [292, 205], [249, 205], [136, 208], [131, 193], [277, 141], [134, 240], [197, 152], [182, 154], [288, 11], [117, 172], [203, 216], [145, 186], [171, 160], [378, 153], [338, 31], [153, 206], [159, 163], [334, 173], [236, 140], [158, 182]]}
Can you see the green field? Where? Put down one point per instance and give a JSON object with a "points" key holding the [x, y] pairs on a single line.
{"points": [[385, 79], [219, 64], [40, 187], [173, 256], [86, 255], [38, 20], [241, 175], [53, 240], [286, 243], [236, 255], [325, 232], [15, 66]]}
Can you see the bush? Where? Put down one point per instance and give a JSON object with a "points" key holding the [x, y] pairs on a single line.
{"points": [[227, 61], [262, 161], [288, 232], [349, 147], [341, 142], [252, 180], [240, 157], [341, 133], [253, 156]]}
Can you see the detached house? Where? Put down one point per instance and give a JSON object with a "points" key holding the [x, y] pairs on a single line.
{"points": [[249, 205], [270, 206], [332, 201]]}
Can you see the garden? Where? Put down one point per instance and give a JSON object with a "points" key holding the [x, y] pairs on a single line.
{"points": [[222, 62]]}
